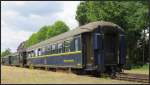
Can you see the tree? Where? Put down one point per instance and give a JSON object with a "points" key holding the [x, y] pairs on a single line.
{"points": [[32, 40], [41, 34], [6, 52], [131, 16], [50, 32], [57, 28], [46, 32]]}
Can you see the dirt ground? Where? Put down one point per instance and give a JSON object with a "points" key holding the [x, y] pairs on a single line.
{"points": [[18, 75]]}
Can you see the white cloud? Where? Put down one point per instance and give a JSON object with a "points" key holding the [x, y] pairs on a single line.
{"points": [[68, 15], [12, 38], [21, 18], [20, 3], [34, 7]]}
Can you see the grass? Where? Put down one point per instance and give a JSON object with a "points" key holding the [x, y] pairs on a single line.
{"points": [[139, 70], [17, 75]]}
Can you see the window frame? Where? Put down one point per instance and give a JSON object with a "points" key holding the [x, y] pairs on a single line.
{"points": [[60, 47], [77, 41], [67, 47]]}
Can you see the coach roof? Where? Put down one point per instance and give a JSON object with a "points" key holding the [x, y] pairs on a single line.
{"points": [[85, 28]]}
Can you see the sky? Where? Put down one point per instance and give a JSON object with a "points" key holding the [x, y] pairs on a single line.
{"points": [[19, 19]]}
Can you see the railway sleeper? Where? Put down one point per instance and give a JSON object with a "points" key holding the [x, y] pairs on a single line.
{"points": [[132, 79]]}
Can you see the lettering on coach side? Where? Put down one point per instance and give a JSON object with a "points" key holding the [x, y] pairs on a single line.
{"points": [[69, 60]]}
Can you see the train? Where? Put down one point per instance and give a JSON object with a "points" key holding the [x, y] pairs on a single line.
{"points": [[97, 46]]}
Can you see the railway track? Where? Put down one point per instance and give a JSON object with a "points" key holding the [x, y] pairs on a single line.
{"points": [[133, 77]]}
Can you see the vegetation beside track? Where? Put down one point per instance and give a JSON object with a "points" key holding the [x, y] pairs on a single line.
{"points": [[139, 70]]}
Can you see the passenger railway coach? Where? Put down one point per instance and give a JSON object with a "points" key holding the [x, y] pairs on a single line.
{"points": [[97, 46]]}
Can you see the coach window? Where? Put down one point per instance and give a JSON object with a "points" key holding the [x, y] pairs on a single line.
{"points": [[60, 48], [49, 49], [67, 46], [36, 52], [53, 49], [39, 51], [33, 53], [43, 51], [46, 50], [56, 48], [77, 44], [72, 45], [29, 54]]}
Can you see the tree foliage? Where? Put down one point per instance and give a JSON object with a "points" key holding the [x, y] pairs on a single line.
{"points": [[41, 34], [132, 16], [58, 28], [6, 52], [46, 32], [32, 40]]}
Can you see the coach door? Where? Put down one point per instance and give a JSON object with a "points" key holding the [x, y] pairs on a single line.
{"points": [[122, 49], [98, 40], [110, 48], [87, 49], [9, 60]]}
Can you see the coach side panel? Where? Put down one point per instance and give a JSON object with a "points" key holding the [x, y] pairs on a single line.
{"points": [[61, 60]]}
